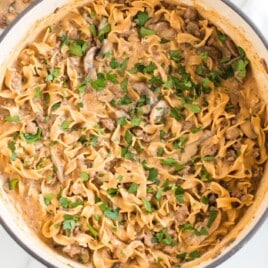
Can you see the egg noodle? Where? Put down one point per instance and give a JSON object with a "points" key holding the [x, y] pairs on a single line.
{"points": [[129, 131]]}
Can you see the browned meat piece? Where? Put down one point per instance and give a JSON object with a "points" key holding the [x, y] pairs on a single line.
{"points": [[181, 214], [231, 156], [193, 28], [117, 265], [232, 133], [187, 125], [31, 128], [212, 199], [108, 123], [163, 29], [190, 14], [211, 149], [140, 134], [76, 251], [212, 51], [13, 80]]}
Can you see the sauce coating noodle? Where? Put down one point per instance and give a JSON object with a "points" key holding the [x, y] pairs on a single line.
{"points": [[133, 129]]}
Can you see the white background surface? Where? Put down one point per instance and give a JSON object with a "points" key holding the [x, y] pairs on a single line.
{"points": [[253, 254]]}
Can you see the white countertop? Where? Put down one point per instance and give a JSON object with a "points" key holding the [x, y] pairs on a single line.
{"points": [[253, 254]]}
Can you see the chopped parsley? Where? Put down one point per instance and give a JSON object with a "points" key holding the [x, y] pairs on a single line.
{"points": [[93, 29], [12, 147], [66, 203], [55, 106], [69, 222], [240, 67], [146, 32], [48, 198], [122, 121], [128, 137], [147, 205], [93, 231], [193, 108], [110, 213], [212, 217], [133, 188], [209, 158], [14, 119], [176, 55], [93, 140], [84, 176], [112, 191], [177, 113], [37, 92], [142, 18], [65, 125], [169, 162], [163, 238], [104, 30], [78, 48], [124, 85], [31, 138], [135, 122], [13, 184], [53, 74]]}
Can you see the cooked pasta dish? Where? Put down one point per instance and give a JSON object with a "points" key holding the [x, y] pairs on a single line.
{"points": [[132, 134]]}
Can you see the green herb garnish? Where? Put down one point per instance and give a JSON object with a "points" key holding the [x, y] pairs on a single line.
{"points": [[146, 32], [147, 205], [93, 231], [37, 92], [78, 48], [112, 191], [110, 213], [212, 217], [133, 188], [84, 176], [93, 29], [31, 138], [13, 184], [53, 74], [48, 198], [69, 222], [65, 125], [14, 119], [142, 18]]}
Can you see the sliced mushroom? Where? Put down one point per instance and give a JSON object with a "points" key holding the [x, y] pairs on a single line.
{"points": [[232, 47], [143, 89], [106, 46], [57, 160], [247, 128], [158, 112], [89, 59]]}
